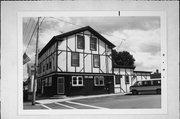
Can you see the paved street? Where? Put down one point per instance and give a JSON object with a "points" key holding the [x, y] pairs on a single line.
{"points": [[108, 102]]}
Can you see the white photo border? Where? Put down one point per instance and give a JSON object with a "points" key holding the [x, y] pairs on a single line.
{"points": [[161, 14]]}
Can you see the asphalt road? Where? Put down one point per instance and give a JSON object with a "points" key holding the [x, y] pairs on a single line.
{"points": [[110, 102], [126, 101]]}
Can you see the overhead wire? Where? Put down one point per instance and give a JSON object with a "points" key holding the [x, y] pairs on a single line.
{"points": [[82, 26], [35, 28], [62, 32], [29, 32], [26, 27]]}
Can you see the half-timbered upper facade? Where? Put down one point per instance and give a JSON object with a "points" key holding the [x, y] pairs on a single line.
{"points": [[71, 58]]}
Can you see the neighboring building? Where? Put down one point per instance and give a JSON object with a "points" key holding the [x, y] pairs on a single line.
{"points": [[30, 80], [78, 62], [156, 75], [142, 75], [123, 78]]}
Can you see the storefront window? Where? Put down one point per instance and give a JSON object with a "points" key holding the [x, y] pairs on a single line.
{"points": [[77, 81], [99, 81]]}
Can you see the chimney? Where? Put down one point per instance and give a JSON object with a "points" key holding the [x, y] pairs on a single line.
{"points": [[157, 71]]}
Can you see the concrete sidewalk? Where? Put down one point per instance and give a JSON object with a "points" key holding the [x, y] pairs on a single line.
{"points": [[47, 101]]}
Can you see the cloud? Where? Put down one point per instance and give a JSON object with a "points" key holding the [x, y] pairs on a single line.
{"points": [[153, 49], [138, 35], [111, 24]]}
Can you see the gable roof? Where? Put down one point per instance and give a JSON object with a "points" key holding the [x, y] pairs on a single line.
{"points": [[61, 36]]}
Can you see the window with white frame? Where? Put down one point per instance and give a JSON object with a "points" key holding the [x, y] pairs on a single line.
{"points": [[118, 79], [96, 61], [99, 80], [80, 42], [75, 59], [127, 79], [93, 43], [77, 81]]}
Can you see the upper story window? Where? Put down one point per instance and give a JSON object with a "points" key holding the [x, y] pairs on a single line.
{"points": [[96, 61], [93, 43], [50, 65], [80, 42], [75, 59]]}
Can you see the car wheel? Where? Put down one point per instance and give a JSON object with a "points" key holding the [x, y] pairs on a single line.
{"points": [[158, 91], [134, 92]]}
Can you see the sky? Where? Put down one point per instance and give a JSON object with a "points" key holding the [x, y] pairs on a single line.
{"points": [[138, 35]]}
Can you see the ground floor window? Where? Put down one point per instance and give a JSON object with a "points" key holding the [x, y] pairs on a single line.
{"points": [[99, 80], [77, 81], [48, 81], [127, 79]]}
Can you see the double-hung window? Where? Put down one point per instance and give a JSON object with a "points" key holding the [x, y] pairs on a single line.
{"points": [[80, 42], [93, 43], [118, 79], [75, 59], [127, 79], [96, 61], [99, 81], [77, 81]]}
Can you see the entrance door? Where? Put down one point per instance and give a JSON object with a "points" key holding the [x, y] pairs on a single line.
{"points": [[60, 85]]}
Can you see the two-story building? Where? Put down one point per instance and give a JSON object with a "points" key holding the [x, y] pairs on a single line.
{"points": [[78, 62]]}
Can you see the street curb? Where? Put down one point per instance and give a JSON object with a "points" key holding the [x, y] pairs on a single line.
{"points": [[47, 101]]}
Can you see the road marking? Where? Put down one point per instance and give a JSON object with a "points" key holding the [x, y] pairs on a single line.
{"points": [[86, 105], [64, 105], [46, 106]]}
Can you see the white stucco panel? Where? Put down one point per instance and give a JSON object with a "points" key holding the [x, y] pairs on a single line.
{"points": [[62, 61], [88, 63], [103, 64]]}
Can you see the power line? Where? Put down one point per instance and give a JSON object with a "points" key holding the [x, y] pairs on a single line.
{"points": [[27, 26], [31, 36], [30, 29], [82, 26], [33, 33], [66, 22]]}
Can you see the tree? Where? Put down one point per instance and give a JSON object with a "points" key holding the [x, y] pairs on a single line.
{"points": [[122, 58]]}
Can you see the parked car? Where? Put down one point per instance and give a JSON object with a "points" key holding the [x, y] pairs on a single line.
{"points": [[146, 86]]}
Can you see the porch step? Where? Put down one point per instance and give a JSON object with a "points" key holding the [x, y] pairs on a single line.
{"points": [[58, 97]]}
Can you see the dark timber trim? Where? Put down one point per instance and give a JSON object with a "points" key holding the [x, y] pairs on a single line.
{"points": [[75, 48], [59, 53], [66, 54], [83, 54], [57, 43], [69, 48], [60, 69], [99, 56], [77, 73], [91, 58], [101, 71]]}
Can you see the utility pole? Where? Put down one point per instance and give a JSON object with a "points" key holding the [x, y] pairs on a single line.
{"points": [[36, 65]]}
